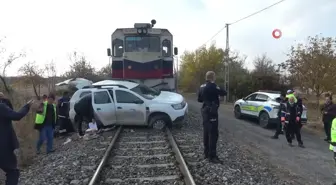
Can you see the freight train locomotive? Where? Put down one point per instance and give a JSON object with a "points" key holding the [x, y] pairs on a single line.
{"points": [[144, 54]]}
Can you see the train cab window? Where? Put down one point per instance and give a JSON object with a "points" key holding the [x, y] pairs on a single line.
{"points": [[118, 47], [166, 48]]}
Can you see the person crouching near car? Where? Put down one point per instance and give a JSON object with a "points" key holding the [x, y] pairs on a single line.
{"points": [[45, 122]]}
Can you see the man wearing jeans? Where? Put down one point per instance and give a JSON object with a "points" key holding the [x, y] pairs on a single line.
{"points": [[45, 122]]}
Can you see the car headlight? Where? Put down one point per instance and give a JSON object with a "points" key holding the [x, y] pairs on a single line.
{"points": [[179, 105]]}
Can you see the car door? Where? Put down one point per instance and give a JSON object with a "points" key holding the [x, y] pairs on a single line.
{"points": [[246, 104], [258, 104], [131, 109], [104, 107]]}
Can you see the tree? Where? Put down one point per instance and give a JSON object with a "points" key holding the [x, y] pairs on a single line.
{"points": [[50, 70], [5, 62], [313, 64], [195, 64], [105, 72], [264, 75], [34, 77], [81, 68]]}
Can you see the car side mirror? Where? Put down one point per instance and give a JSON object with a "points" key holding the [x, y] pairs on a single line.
{"points": [[138, 102], [244, 99]]}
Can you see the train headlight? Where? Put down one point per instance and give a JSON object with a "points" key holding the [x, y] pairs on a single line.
{"points": [[139, 31], [144, 31]]}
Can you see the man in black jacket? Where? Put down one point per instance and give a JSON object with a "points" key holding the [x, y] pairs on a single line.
{"points": [[63, 120], [282, 104], [209, 94], [293, 123], [327, 117], [84, 112], [9, 141]]}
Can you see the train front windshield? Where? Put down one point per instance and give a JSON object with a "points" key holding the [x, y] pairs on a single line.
{"points": [[142, 44]]}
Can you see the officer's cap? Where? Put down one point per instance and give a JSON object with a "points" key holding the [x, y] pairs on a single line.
{"points": [[290, 91]]}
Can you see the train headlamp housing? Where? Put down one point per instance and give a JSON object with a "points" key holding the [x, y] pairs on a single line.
{"points": [[142, 31]]}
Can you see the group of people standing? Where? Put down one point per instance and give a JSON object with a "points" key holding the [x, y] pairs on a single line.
{"points": [[289, 118], [47, 115]]}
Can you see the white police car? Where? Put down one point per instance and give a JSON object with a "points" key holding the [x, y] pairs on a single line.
{"points": [[262, 105], [120, 102]]}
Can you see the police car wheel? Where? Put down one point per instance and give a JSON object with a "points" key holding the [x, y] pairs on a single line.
{"points": [[237, 112], [264, 120]]}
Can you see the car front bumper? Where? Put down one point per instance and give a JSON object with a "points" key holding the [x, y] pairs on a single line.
{"points": [[181, 118]]}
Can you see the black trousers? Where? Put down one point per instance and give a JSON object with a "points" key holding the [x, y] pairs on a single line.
{"points": [[79, 121], [327, 129], [8, 163], [293, 128], [65, 123], [278, 128], [210, 133]]}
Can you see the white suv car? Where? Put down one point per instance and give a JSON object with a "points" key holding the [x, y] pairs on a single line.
{"points": [[128, 103], [262, 105]]}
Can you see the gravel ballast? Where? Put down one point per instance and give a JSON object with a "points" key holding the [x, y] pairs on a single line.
{"points": [[71, 163], [240, 166], [141, 156], [75, 162]]}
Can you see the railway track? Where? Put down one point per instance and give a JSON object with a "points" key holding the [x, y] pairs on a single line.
{"points": [[142, 156]]}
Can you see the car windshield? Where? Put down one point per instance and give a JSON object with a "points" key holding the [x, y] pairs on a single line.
{"points": [[274, 96], [145, 91]]}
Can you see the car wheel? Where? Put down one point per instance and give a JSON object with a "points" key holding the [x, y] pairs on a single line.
{"points": [[237, 112], [264, 120], [158, 122]]}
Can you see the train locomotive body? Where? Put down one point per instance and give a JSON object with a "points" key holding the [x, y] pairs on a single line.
{"points": [[144, 54]]}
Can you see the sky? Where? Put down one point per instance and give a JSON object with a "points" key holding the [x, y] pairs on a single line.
{"points": [[49, 30]]}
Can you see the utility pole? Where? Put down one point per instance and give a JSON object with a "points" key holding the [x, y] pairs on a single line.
{"points": [[226, 62]]}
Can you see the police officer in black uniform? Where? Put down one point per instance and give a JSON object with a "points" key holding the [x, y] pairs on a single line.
{"points": [[293, 116], [282, 100], [209, 95]]}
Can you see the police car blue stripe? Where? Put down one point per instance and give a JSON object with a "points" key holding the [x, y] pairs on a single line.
{"points": [[268, 108]]}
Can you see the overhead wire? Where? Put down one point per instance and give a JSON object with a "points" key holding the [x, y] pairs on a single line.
{"points": [[243, 18]]}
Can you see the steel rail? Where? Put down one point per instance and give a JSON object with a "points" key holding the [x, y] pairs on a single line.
{"points": [[95, 176], [188, 179]]}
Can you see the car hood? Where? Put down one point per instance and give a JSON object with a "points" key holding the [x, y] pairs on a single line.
{"points": [[168, 97]]}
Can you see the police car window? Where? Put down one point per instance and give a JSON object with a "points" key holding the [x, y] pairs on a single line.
{"points": [[251, 97], [125, 97], [84, 93], [261, 97], [101, 97]]}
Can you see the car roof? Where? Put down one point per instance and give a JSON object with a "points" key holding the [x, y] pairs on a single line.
{"points": [[271, 95], [127, 84]]}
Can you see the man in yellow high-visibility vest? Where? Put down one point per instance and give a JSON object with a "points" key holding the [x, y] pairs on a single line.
{"points": [[290, 93], [45, 122]]}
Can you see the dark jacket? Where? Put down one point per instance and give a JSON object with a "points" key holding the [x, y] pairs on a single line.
{"points": [[7, 102], [292, 111], [63, 106], [209, 93], [83, 107], [327, 114], [8, 139]]}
